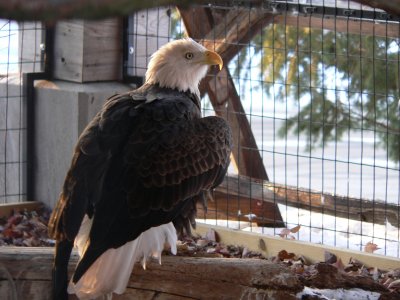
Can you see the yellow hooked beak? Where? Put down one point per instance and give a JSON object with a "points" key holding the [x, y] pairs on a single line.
{"points": [[213, 58]]}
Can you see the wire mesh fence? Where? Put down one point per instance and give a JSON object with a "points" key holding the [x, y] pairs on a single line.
{"points": [[15, 59], [319, 86], [311, 90]]}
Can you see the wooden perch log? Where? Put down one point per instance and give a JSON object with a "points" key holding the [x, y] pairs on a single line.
{"points": [[25, 273], [242, 194]]}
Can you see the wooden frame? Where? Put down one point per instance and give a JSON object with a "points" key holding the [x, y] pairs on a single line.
{"points": [[51, 11]]}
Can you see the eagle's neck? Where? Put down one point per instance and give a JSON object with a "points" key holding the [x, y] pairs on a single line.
{"points": [[181, 79]]}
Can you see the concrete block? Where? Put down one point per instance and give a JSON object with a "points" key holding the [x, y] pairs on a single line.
{"points": [[63, 109]]}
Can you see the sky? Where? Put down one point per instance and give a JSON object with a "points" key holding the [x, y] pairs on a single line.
{"points": [[8, 47]]}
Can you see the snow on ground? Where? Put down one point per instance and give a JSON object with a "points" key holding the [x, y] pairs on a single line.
{"points": [[327, 230], [342, 294]]}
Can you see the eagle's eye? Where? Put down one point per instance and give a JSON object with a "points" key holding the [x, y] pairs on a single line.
{"points": [[189, 55]]}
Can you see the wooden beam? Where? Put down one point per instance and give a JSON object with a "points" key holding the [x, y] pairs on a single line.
{"points": [[53, 10], [392, 6], [353, 26], [87, 51], [8, 208], [50, 10], [26, 273], [244, 194], [227, 33], [271, 245]]}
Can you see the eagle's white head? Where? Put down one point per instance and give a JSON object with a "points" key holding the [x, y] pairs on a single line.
{"points": [[181, 64]]}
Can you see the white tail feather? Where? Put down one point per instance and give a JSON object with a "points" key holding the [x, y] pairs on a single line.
{"points": [[111, 271]]}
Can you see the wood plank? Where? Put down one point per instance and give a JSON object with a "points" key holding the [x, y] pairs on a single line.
{"points": [[392, 6], [26, 271], [68, 50], [23, 289], [251, 193], [7, 209], [102, 50], [272, 245], [46, 10], [177, 277], [76, 50]]}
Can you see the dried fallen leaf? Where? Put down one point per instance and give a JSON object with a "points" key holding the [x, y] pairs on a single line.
{"points": [[375, 273], [330, 258], [298, 268], [202, 242], [283, 254], [26, 228], [284, 232], [371, 247], [295, 229], [262, 245], [245, 251], [211, 235], [394, 285], [394, 273], [339, 264], [387, 281]]}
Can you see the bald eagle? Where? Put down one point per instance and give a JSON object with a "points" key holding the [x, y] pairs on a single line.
{"points": [[137, 171]]}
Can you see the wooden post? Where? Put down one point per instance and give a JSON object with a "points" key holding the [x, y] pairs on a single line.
{"points": [[227, 33], [87, 51]]}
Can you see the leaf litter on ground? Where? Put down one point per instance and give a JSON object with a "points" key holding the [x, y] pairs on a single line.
{"points": [[29, 229]]}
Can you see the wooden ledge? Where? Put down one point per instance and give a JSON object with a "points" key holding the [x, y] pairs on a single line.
{"points": [[26, 274], [271, 245]]}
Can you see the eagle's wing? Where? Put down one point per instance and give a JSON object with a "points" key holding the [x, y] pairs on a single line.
{"points": [[92, 155], [137, 165], [84, 182]]}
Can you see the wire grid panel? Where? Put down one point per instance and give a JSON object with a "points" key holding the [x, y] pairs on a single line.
{"points": [[21, 51], [319, 84], [146, 31]]}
